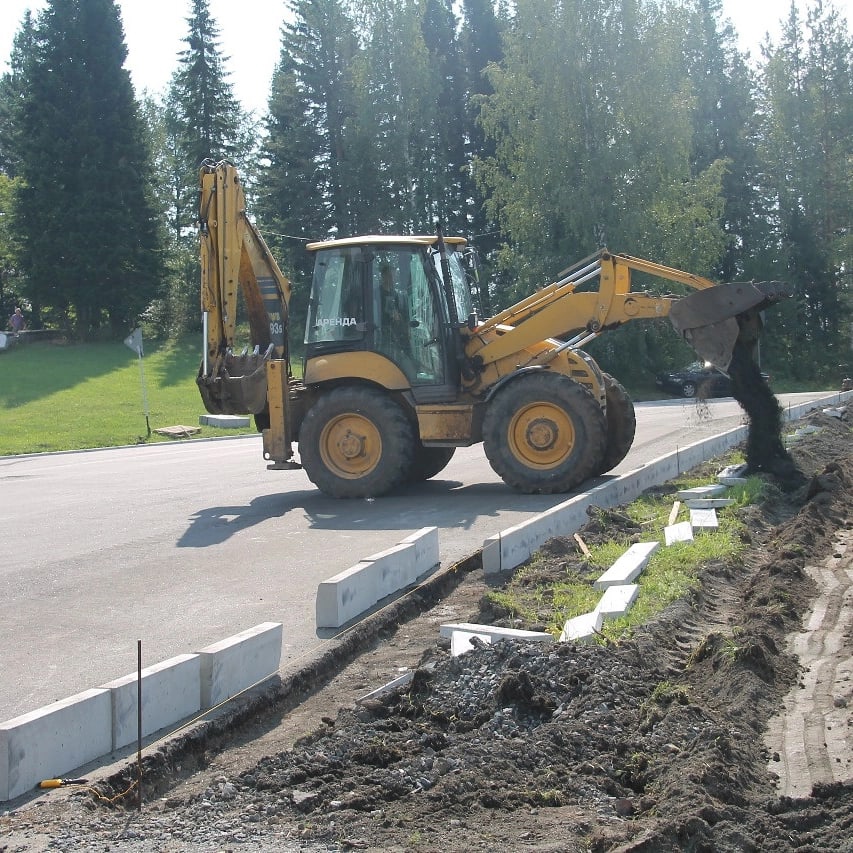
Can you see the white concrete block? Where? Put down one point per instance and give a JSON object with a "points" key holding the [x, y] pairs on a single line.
{"points": [[238, 662], [494, 632], [355, 590], [390, 687], [708, 503], [51, 741], [680, 532], [171, 691], [426, 546], [617, 600], [492, 555], [346, 595], [702, 491], [462, 641], [393, 569], [582, 628], [703, 518], [629, 566], [224, 421], [732, 472]]}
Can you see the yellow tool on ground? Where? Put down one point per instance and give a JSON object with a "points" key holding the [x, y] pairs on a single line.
{"points": [[61, 783]]}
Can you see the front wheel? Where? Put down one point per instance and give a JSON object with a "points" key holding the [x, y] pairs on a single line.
{"points": [[356, 442], [688, 389], [544, 433]]}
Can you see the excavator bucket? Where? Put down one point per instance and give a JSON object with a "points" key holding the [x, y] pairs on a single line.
{"points": [[240, 388], [712, 320]]}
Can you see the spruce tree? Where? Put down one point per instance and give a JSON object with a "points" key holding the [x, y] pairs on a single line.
{"points": [[87, 228], [204, 119]]}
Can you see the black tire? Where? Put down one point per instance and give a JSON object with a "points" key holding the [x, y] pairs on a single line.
{"points": [[428, 461], [544, 433], [621, 424], [688, 389], [356, 442]]}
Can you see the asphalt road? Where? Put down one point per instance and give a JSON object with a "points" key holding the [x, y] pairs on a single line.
{"points": [[181, 545]]}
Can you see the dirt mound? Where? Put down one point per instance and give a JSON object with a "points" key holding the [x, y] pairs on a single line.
{"points": [[657, 743]]}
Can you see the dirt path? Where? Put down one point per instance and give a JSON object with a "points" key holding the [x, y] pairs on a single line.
{"points": [[811, 739]]}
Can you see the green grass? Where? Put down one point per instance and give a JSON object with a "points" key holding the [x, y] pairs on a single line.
{"points": [[75, 397], [672, 572]]}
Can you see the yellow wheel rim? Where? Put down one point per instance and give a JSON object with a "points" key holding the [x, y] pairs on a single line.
{"points": [[350, 446], [541, 435]]}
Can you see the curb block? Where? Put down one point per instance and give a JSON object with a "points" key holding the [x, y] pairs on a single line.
{"points": [[617, 600], [629, 566], [581, 628], [171, 691], [236, 663], [494, 633], [355, 590], [63, 736], [461, 642], [53, 740]]}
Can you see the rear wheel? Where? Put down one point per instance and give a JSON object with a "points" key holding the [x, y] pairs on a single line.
{"points": [[621, 424], [545, 433], [688, 389], [428, 461], [356, 443]]}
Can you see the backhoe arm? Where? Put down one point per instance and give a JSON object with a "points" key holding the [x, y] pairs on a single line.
{"points": [[234, 260], [706, 319]]}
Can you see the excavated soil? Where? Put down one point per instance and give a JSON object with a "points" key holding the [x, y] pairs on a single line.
{"points": [[722, 725]]}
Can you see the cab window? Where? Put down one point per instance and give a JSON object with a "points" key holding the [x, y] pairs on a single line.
{"points": [[336, 309]]}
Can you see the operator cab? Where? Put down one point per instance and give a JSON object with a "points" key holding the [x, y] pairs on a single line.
{"points": [[387, 295]]}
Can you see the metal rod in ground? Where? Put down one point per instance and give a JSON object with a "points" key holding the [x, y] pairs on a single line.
{"points": [[139, 720]]}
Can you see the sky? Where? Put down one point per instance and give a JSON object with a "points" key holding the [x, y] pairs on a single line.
{"points": [[250, 37]]}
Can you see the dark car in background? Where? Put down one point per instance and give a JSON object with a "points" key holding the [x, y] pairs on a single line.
{"points": [[698, 380]]}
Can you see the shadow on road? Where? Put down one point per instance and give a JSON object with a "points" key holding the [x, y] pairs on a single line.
{"points": [[440, 503], [214, 525]]}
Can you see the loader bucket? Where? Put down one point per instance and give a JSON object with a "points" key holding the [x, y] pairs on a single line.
{"points": [[712, 320], [239, 389]]}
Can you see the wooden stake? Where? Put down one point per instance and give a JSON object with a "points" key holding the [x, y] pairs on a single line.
{"points": [[582, 545], [674, 514]]}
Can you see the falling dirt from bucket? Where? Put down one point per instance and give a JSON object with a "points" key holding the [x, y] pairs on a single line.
{"points": [[765, 449]]}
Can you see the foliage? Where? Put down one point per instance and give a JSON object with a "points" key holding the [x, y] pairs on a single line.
{"points": [[89, 242], [807, 102], [9, 279], [539, 129]]}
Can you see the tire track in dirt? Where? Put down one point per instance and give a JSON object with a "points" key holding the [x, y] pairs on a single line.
{"points": [[811, 741]]}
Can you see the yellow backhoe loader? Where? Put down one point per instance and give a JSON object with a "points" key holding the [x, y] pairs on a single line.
{"points": [[399, 371]]}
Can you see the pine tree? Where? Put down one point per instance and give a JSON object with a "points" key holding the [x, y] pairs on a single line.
{"points": [[204, 119], [87, 228]]}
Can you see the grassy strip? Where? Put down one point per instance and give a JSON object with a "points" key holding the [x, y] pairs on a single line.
{"points": [[82, 396], [670, 574]]}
